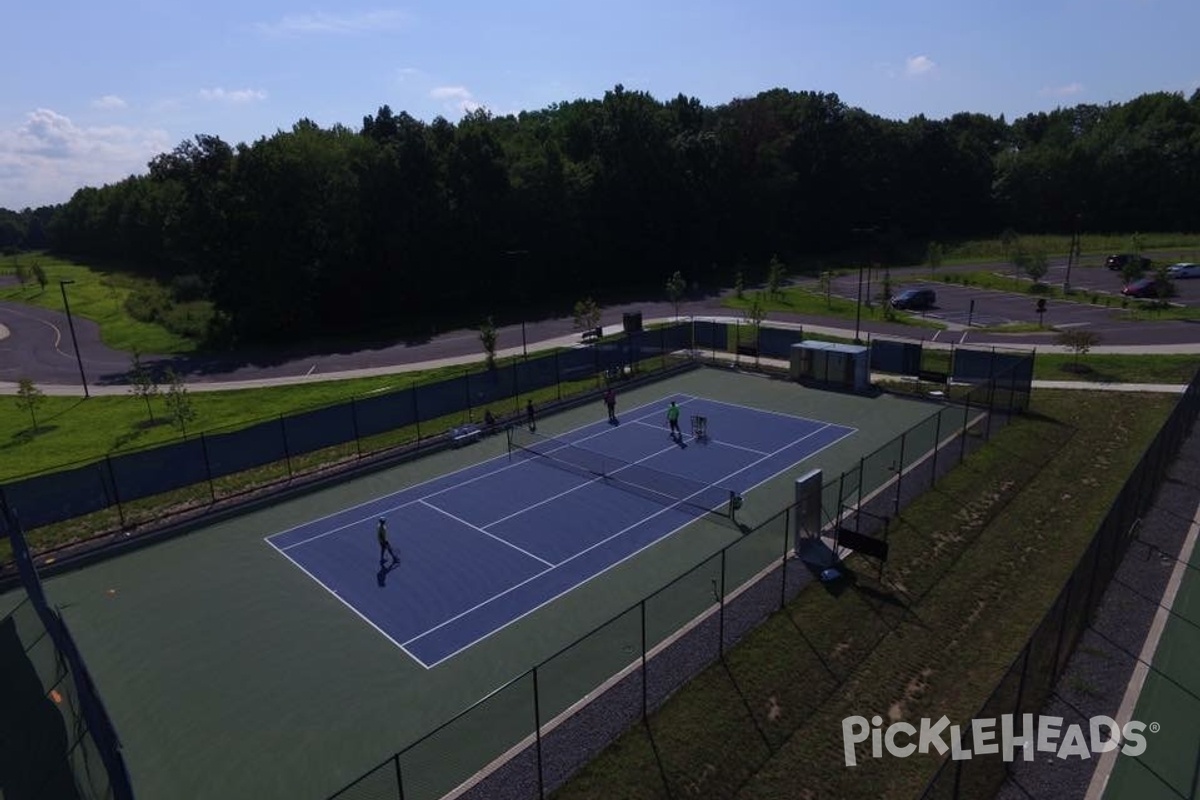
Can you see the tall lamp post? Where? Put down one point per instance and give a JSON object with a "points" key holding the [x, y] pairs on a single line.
{"points": [[858, 306], [521, 254], [74, 342]]}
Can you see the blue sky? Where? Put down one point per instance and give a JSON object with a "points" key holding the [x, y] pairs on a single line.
{"points": [[91, 91]]}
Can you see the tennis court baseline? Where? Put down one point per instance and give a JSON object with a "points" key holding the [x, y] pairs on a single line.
{"points": [[484, 546]]}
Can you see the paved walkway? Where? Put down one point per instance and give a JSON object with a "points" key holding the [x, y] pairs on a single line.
{"points": [[939, 340]]}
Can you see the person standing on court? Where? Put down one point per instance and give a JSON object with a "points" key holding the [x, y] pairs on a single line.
{"points": [[673, 422], [530, 418], [610, 400], [385, 547]]}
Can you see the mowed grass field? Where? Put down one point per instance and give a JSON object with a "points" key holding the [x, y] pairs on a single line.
{"points": [[974, 564]]}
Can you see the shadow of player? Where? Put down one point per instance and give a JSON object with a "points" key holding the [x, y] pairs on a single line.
{"points": [[381, 576]]}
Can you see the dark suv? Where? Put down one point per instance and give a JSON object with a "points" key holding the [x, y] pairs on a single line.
{"points": [[1119, 261], [915, 299]]}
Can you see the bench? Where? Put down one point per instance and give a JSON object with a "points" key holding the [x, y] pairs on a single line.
{"points": [[592, 335], [465, 434]]}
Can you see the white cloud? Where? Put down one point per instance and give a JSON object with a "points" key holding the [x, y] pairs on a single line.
{"points": [[1066, 90], [44, 160], [109, 102], [321, 23], [918, 65], [233, 97], [456, 98], [404, 73]]}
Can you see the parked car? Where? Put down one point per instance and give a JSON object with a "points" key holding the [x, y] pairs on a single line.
{"points": [[1118, 261], [915, 299], [1142, 287], [1184, 269]]}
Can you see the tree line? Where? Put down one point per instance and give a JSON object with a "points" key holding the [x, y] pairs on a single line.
{"points": [[403, 223]]}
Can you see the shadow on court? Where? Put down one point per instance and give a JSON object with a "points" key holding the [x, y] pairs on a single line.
{"points": [[33, 734]]}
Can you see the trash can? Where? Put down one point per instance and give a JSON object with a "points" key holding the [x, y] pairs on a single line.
{"points": [[633, 321]]}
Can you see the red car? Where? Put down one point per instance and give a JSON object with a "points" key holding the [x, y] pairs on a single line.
{"points": [[1143, 287]]}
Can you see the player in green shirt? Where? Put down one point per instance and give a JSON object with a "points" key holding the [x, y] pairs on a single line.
{"points": [[673, 422]]}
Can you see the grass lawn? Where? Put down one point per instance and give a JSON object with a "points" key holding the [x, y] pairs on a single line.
{"points": [[800, 300], [1094, 246], [71, 429], [974, 564], [101, 297]]}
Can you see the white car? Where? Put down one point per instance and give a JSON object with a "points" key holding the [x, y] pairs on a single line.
{"points": [[1183, 270]]}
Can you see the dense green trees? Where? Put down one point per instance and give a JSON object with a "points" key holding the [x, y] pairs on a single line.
{"points": [[402, 223]]}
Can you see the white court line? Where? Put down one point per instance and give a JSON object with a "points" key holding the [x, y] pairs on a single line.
{"points": [[485, 533], [1141, 670], [756, 410], [587, 482], [711, 441], [390, 509], [350, 606], [622, 532]]}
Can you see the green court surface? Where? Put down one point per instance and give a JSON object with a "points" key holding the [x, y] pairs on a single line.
{"points": [[229, 673], [1170, 699]]}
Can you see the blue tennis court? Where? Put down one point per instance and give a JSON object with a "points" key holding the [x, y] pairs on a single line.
{"points": [[484, 546]]}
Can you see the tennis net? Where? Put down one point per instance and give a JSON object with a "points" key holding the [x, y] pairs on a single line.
{"points": [[630, 476]]}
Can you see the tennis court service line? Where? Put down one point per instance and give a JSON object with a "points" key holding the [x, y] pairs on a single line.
{"points": [[712, 441], [587, 550], [407, 489], [755, 410], [587, 482], [485, 533]]}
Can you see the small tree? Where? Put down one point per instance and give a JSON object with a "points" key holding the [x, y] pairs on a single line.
{"points": [[587, 314], [755, 313], [39, 275], [1008, 241], [675, 289], [825, 282], [142, 382], [739, 285], [22, 273], [885, 295], [1080, 341], [487, 337], [1163, 286], [1131, 270], [179, 402], [29, 397], [776, 276], [934, 256], [1033, 263]]}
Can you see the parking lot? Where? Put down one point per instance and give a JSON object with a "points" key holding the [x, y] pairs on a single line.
{"points": [[979, 307]]}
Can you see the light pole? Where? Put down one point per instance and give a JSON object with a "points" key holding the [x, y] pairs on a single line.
{"points": [[74, 342], [858, 306], [524, 346]]}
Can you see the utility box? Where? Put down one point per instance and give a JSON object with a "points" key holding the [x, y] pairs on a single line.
{"points": [[842, 366]]}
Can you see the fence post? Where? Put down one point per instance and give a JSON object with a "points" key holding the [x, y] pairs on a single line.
{"points": [[112, 477], [787, 529], [212, 489], [899, 474], [1021, 683], [645, 675], [287, 455], [937, 446], [1061, 628], [517, 383], [557, 376], [537, 732], [399, 777], [467, 386], [721, 612], [416, 411], [354, 422], [966, 422]]}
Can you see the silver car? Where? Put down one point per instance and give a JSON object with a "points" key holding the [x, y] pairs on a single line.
{"points": [[1184, 269]]}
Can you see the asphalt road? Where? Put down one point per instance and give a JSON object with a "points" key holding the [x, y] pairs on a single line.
{"points": [[39, 343]]}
